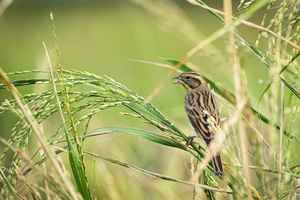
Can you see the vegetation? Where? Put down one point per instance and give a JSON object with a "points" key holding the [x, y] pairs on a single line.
{"points": [[50, 151]]}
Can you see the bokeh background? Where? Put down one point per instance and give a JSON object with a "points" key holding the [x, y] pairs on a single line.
{"points": [[104, 37]]}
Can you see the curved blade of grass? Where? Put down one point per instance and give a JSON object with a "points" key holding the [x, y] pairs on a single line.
{"points": [[284, 68], [288, 85], [75, 155], [151, 114], [148, 135], [154, 174], [25, 82], [78, 171], [291, 88], [290, 62], [144, 171], [264, 91]]}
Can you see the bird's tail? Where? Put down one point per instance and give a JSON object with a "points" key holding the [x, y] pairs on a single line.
{"points": [[217, 165]]}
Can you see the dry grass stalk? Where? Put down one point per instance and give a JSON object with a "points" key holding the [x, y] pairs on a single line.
{"points": [[282, 23], [29, 165], [218, 142], [162, 65], [240, 92], [4, 4], [52, 76], [281, 153], [275, 92]]}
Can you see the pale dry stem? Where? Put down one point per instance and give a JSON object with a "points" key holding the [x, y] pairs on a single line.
{"points": [[4, 4], [240, 93], [220, 135]]}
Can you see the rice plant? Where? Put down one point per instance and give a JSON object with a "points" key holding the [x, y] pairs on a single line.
{"points": [[259, 138]]}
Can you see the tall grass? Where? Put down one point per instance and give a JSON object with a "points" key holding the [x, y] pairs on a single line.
{"points": [[258, 140], [103, 93]]}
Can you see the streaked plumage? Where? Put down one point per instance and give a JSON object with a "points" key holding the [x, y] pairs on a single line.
{"points": [[200, 105]]}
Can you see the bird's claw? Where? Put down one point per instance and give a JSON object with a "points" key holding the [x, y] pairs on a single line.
{"points": [[190, 140]]}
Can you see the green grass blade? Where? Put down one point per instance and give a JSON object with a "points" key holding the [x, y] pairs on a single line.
{"points": [[154, 174], [290, 62], [148, 135], [264, 91], [149, 113], [78, 171], [291, 88], [26, 82]]}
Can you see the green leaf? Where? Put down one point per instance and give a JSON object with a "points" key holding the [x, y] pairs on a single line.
{"points": [[148, 135], [78, 171], [152, 115], [290, 62], [26, 82]]}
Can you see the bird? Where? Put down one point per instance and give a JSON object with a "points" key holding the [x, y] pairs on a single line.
{"points": [[200, 107]]}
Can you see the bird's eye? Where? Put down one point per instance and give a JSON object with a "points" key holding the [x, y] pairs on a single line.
{"points": [[188, 78]]}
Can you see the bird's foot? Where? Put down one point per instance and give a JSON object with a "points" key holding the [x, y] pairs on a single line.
{"points": [[190, 140]]}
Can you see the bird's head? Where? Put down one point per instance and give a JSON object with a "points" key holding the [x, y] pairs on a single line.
{"points": [[190, 80]]}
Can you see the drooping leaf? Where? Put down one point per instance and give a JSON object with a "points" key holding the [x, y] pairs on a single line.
{"points": [[148, 135]]}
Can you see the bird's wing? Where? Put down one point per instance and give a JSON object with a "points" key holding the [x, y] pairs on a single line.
{"points": [[201, 105]]}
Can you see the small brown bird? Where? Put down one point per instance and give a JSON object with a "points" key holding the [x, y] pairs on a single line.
{"points": [[200, 105]]}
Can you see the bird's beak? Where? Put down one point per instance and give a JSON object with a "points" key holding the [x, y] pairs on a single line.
{"points": [[177, 80]]}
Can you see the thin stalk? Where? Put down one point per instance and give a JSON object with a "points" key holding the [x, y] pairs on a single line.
{"points": [[277, 95], [240, 92], [156, 175], [281, 153], [4, 4]]}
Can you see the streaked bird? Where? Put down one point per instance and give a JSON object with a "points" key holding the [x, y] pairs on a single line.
{"points": [[200, 106]]}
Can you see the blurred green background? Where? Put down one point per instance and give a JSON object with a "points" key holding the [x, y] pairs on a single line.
{"points": [[103, 37]]}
